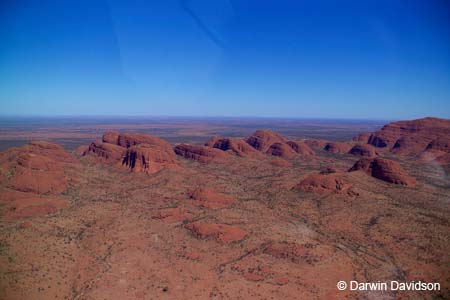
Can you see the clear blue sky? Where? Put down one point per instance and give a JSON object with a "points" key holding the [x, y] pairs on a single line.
{"points": [[331, 59]]}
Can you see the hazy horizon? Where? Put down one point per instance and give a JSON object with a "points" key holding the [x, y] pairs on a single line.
{"points": [[196, 117]]}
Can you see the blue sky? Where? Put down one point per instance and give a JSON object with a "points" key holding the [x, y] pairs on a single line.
{"points": [[307, 59]]}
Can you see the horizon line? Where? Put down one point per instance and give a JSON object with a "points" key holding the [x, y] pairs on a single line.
{"points": [[91, 116]]}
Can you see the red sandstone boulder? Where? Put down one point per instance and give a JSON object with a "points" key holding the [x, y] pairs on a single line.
{"points": [[337, 147], [282, 150], [410, 137], [262, 139], [202, 154], [363, 150], [208, 198], [236, 146], [384, 169], [222, 233], [300, 147]]}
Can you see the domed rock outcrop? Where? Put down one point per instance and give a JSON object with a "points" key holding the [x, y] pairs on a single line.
{"points": [[232, 145], [337, 147], [300, 147], [262, 139], [384, 169], [202, 154], [363, 150], [326, 183], [37, 167], [282, 150], [33, 176], [410, 137]]}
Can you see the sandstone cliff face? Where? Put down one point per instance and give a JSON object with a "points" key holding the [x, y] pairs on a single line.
{"points": [[384, 169], [109, 152], [148, 158], [136, 151], [201, 154], [410, 137]]}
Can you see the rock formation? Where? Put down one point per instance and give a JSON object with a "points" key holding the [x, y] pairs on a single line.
{"points": [[326, 182], [34, 176], [410, 137], [136, 151], [282, 150], [202, 154], [148, 158], [37, 167], [363, 150], [384, 169], [209, 198], [317, 144], [232, 145], [263, 139], [111, 153], [337, 147], [221, 232], [362, 137], [438, 151], [300, 147]]}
